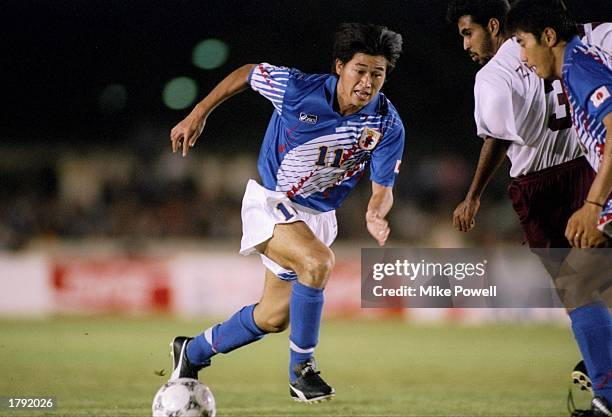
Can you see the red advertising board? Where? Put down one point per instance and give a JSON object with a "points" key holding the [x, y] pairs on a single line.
{"points": [[111, 285]]}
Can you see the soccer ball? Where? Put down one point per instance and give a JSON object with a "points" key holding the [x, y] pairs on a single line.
{"points": [[184, 397]]}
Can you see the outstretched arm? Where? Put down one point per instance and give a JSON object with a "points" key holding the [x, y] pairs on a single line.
{"points": [[378, 208], [581, 230], [492, 154], [187, 131]]}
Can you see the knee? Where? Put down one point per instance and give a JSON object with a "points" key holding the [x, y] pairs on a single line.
{"points": [[317, 267], [274, 324]]}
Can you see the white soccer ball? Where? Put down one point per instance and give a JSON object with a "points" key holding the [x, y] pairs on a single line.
{"points": [[184, 397]]}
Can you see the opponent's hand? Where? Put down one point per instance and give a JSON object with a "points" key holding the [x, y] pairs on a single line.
{"points": [[464, 214], [187, 132], [581, 230], [378, 227]]}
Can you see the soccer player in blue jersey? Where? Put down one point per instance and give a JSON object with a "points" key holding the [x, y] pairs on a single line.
{"points": [[324, 131], [551, 48]]}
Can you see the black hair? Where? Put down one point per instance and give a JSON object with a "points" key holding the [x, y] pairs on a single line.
{"points": [[481, 11], [354, 38], [533, 16]]}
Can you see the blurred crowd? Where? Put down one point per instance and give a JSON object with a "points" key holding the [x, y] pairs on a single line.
{"points": [[59, 194]]}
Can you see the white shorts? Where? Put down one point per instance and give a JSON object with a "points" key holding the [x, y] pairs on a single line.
{"points": [[263, 209]]}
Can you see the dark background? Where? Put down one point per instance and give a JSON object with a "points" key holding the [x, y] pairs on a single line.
{"points": [[61, 54]]}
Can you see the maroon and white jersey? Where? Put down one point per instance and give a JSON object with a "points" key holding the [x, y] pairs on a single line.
{"points": [[598, 34], [514, 104]]}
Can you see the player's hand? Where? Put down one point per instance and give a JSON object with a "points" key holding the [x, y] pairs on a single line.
{"points": [[187, 132], [464, 214], [378, 227], [581, 230]]}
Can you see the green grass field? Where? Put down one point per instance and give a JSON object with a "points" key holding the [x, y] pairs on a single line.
{"points": [[106, 367]]}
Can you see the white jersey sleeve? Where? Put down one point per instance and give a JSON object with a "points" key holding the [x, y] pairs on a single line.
{"points": [[598, 34], [493, 111]]}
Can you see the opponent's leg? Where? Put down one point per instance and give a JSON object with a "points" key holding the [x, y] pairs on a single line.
{"points": [[295, 247]]}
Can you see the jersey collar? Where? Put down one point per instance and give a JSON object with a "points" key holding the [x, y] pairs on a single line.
{"points": [[567, 54]]}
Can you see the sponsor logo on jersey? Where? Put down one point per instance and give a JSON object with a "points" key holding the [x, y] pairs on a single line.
{"points": [[599, 96], [308, 118], [369, 139]]}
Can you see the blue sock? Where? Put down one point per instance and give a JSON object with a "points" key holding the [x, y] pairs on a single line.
{"points": [[237, 331], [592, 326], [305, 309]]}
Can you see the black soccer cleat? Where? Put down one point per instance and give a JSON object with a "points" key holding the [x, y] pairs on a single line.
{"points": [[580, 377], [309, 387], [181, 367], [599, 408]]}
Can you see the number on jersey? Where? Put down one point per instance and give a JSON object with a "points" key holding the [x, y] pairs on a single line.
{"points": [[321, 161], [560, 118]]}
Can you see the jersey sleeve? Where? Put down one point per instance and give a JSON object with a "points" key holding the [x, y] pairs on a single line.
{"points": [[387, 156], [600, 103], [591, 81], [494, 110], [598, 34], [271, 82]]}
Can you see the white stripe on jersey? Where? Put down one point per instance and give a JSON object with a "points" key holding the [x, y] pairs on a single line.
{"points": [[347, 129], [371, 120], [597, 53], [267, 81], [345, 137], [270, 82], [299, 173]]}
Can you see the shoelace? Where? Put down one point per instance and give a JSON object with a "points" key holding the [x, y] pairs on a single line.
{"points": [[309, 370]]}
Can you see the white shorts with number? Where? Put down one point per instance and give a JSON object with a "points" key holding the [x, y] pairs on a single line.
{"points": [[263, 209]]}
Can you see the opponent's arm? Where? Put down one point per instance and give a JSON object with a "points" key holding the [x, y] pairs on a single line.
{"points": [[492, 155], [380, 203], [581, 230], [187, 131]]}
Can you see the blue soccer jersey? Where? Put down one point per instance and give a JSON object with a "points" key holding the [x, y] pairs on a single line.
{"points": [[313, 153], [587, 78]]}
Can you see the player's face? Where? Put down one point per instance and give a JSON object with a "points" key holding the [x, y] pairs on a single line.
{"points": [[536, 55], [477, 41], [360, 79]]}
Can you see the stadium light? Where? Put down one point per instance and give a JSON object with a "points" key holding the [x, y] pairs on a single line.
{"points": [[113, 98], [180, 93], [210, 54]]}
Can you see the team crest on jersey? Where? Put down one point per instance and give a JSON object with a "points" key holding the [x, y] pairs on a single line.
{"points": [[308, 118], [369, 139], [599, 96]]}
